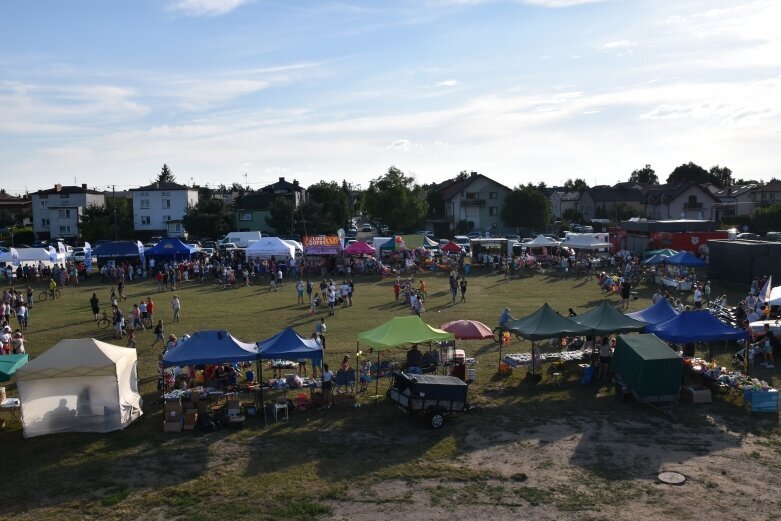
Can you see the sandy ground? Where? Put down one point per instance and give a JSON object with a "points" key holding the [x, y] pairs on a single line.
{"points": [[575, 468]]}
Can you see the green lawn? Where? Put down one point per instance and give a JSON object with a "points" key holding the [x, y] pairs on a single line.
{"points": [[297, 470]]}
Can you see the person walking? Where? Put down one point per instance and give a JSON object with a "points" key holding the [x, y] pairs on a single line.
{"points": [[158, 333], [94, 303], [463, 289], [309, 290], [453, 288], [176, 305], [300, 291], [320, 330]]}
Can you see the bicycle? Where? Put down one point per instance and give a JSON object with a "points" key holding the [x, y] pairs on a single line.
{"points": [[45, 295], [104, 322]]}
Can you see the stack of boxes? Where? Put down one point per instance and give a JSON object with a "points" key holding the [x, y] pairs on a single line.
{"points": [[173, 415], [235, 418]]}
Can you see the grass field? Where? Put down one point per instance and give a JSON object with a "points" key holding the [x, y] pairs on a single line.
{"points": [[533, 450]]}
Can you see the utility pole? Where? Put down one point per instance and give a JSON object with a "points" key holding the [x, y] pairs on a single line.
{"points": [[114, 204]]}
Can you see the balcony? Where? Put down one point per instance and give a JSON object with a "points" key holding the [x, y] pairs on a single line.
{"points": [[692, 206], [472, 202]]}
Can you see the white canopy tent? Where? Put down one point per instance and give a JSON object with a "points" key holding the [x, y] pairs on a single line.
{"points": [[585, 241], [30, 256], [299, 248], [775, 296], [541, 242], [79, 385], [268, 247]]}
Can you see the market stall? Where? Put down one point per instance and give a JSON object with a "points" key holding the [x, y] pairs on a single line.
{"points": [[606, 319], [170, 249], [691, 327], [321, 252], [398, 332], [9, 364], [543, 324], [360, 248], [270, 247], [657, 313], [79, 385]]}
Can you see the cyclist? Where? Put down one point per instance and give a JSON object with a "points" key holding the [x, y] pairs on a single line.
{"points": [[52, 287]]}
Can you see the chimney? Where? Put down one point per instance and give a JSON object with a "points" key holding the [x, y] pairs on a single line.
{"points": [[472, 174], [295, 182], [281, 179], [57, 187], [84, 186]]}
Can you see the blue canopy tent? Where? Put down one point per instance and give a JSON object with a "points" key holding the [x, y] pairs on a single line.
{"points": [[210, 347], [686, 258], [656, 259], [288, 345], [10, 363], [169, 248], [657, 313], [695, 326]]}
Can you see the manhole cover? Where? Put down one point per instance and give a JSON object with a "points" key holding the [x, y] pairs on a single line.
{"points": [[672, 478]]}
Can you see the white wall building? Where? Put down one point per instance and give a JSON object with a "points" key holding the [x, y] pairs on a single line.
{"points": [[158, 208], [57, 211]]}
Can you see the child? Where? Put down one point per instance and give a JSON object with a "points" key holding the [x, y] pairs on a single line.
{"points": [[365, 375], [131, 338], [315, 303]]}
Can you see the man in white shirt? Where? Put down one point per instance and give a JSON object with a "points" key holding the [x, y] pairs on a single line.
{"points": [[320, 330], [697, 298]]}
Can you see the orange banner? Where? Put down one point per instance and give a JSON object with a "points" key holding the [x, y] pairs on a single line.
{"points": [[320, 240]]}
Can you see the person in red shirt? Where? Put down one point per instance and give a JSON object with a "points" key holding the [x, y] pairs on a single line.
{"points": [[396, 289], [150, 309]]}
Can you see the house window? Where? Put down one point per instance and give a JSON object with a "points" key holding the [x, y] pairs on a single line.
{"points": [[166, 203], [64, 196], [145, 204], [493, 195], [178, 227], [245, 216], [43, 203], [44, 222], [65, 230], [166, 218], [493, 210], [65, 214], [145, 219], [471, 195]]}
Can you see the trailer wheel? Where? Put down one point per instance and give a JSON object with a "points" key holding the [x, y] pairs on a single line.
{"points": [[437, 421]]}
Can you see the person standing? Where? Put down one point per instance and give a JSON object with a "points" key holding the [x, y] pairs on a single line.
{"points": [[328, 377], [29, 297], [697, 297], [320, 330], [706, 293], [331, 300], [176, 305], [300, 291], [463, 289], [150, 309], [453, 288], [94, 303], [309, 290]]}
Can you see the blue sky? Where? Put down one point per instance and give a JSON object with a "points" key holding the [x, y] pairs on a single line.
{"points": [[520, 90]]}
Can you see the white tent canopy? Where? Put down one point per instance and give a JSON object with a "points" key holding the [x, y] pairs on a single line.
{"points": [[30, 256], [79, 385], [268, 247], [299, 248], [541, 242], [585, 241], [775, 296]]}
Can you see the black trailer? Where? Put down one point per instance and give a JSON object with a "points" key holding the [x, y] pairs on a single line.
{"points": [[435, 396]]}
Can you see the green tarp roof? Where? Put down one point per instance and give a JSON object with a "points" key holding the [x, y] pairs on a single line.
{"points": [[605, 319], [9, 364], [400, 331], [545, 323], [408, 242]]}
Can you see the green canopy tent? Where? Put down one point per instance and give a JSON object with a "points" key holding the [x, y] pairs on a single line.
{"points": [[397, 332], [543, 324], [9, 364], [606, 319], [408, 242]]}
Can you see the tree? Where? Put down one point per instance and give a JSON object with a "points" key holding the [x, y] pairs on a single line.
{"points": [[576, 185], [281, 215], [333, 209], [741, 182], [396, 200], [644, 176], [721, 176], [165, 175], [97, 222], [208, 218], [688, 173], [527, 207]]}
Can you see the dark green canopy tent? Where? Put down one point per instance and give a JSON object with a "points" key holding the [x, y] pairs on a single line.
{"points": [[543, 324], [605, 319]]}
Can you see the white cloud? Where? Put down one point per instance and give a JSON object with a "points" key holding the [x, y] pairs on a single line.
{"points": [[448, 83], [619, 44], [560, 3], [205, 7]]}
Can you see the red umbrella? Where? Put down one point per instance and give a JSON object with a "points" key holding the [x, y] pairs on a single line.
{"points": [[468, 330]]}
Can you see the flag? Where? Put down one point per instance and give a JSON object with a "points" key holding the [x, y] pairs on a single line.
{"points": [[14, 256], [61, 248], [52, 255], [141, 253], [87, 256], [764, 294]]}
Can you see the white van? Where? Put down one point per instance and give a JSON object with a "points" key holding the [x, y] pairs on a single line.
{"points": [[241, 239]]}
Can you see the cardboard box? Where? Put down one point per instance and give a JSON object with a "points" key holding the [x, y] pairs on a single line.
{"points": [[173, 406], [190, 420], [697, 394], [172, 422]]}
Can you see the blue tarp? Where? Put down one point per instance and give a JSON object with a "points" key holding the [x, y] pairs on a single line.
{"points": [[695, 326], [170, 247], [210, 347], [660, 312], [686, 258], [289, 345], [9, 364], [116, 249]]}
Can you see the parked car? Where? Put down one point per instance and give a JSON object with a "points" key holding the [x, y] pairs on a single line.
{"points": [[512, 237], [748, 237], [474, 235], [773, 236], [366, 227]]}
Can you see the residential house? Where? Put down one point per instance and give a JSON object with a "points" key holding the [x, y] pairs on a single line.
{"points": [[736, 200], [252, 209], [16, 209], [158, 208], [287, 188], [475, 201], [57, 211], [767, 194], [604, 202], [562, 201], [683, 201]]}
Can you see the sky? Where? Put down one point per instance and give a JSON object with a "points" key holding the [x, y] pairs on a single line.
{"points": [[248, 91]]}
